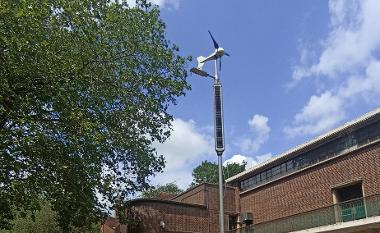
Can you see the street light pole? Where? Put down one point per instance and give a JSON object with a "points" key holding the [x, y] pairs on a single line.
{"points": [[218, 133], [218, 115], [219, 139]]}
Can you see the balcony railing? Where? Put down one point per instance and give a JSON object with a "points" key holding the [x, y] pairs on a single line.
{"points": [[343, 212], [351, 210]]}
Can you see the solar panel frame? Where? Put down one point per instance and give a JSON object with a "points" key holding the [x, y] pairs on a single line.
{"points": [[218, 119]]}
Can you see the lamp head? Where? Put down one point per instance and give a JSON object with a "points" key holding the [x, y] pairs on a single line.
{"points": [[199, 72]]}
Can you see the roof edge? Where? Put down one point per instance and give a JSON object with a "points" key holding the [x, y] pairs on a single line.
{"points": [[139, 200], [198, 185], [360, 120]]}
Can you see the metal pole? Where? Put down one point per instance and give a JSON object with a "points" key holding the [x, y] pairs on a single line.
{"points": [[221, 209], [219, 151]]}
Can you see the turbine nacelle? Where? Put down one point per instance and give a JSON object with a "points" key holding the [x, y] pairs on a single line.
{"points": [[217, 54]]}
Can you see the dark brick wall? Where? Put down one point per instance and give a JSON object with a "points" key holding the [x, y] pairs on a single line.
{"points": [[312, 188], [193, 196], [181, 217], [177, 218]]}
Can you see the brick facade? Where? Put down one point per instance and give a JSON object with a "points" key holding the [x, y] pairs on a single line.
{"points": [[295, 195], [177, 217], [312, 188], [194, 211], [197, 210]]}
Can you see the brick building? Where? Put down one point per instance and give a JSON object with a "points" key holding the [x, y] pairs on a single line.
{"points": [[329, 184], [193, 211]]}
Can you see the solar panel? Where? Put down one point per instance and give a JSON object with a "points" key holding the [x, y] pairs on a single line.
{"points": [[218, 121]]}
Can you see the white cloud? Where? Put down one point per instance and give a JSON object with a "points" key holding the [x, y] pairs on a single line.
{"points": [[366, 85], [258, 124], [169, 4], [237, 159], [320, 114], [350, 55], [186, 146], [251, 162], [355, 35]]}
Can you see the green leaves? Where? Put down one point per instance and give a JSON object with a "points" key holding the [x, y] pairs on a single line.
{"points": [[157, 192], [208, 172], [84, 91]]}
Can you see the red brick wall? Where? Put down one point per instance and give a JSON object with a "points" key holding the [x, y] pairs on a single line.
{"points": [[208, 194], [177, 218], [193, 196], [213, 206], [312, 188], [186, 218], [213, 198]]}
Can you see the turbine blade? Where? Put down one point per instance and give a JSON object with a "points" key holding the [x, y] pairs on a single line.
{"points": [[220, 64], [227, 54], [216, 46]]}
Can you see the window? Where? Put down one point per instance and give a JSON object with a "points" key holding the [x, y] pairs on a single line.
{"points": [[361, 136], [232, 222], [276, 171], [290, 165], [263, 176], [351, 140], [350, 203]]}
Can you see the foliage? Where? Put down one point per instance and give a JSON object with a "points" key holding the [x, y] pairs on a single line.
{"points": [[208, 172], [84, 91], [154, 192], [43, 221]]}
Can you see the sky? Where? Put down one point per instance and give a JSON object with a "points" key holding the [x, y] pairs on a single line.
{"points": [[297, 69]]}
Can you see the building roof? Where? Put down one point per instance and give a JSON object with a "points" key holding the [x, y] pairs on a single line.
{"points": [[198, 185], [309, 144], [142, 200], [173, 201]]}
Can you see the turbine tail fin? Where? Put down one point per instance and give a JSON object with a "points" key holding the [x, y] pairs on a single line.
{"points": [[201, 60]]}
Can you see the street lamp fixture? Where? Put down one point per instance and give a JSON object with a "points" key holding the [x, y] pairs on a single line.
{"points": [[216, 56], [200, 72]]}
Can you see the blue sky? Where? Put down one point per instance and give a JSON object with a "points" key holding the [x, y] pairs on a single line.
{"points": [[297, 69]]}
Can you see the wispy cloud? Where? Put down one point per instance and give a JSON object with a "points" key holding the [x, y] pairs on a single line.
{"points": [[251, 162], [251, 144], [186, 146], [168, 4], [320, 114], [258, 125], [349, 59]]}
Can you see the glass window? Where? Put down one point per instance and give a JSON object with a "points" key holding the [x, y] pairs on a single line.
{"points": [[269, 173], [276, 171], [321, 153], [258, 178], [361, 136], [263, 176], [290, 165], [255, 179]]}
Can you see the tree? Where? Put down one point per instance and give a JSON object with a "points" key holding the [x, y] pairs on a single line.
{"points": [[42, 221], [84, 91], [154, 192], [208, 172]]}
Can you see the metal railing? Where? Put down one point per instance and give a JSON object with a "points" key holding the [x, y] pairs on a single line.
{"points": [[343, 212], [246, 229]]}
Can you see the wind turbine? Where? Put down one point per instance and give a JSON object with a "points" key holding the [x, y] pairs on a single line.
{"points": [[216, 55], [218, 114]]}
